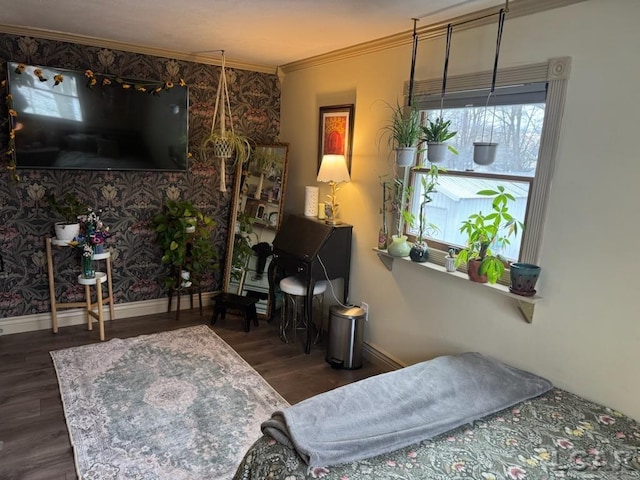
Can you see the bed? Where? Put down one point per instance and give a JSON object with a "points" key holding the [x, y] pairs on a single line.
{"points": [[556, 435]]}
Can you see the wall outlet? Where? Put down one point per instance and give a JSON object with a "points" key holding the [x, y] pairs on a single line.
{"points": [[365, 307]]}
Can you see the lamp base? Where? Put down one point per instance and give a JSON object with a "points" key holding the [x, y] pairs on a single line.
{"points": [[333, 221]]}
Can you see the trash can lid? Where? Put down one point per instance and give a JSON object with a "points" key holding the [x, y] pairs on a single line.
{"points": [[346, 312]]}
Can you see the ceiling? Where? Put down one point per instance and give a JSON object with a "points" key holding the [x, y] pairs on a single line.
{"points": [[259, 32]]}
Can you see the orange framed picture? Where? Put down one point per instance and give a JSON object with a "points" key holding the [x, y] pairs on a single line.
{"points": [[336, 132]]}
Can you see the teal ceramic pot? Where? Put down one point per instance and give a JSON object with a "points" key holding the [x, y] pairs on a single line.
{"points": [[399, 246], [523, 278]]}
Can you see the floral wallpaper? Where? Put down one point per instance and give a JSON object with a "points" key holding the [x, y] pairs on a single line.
{"points": [[128, 199]]}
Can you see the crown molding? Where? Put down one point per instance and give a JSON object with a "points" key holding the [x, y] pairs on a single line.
{"points": [[518, 8], [128, 47]]}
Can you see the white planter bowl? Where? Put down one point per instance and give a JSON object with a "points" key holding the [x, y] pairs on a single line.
{"points": [[66, 231], [484, 153], [405, 156], [436, 151]]}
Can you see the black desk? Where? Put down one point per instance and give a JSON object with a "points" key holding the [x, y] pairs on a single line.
{"points": [[312, 250]]}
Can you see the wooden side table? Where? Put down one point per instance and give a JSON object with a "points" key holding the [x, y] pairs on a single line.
{"points": [[55, 305]]}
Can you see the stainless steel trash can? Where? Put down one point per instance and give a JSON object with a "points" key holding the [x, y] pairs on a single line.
{"points": [[346, 328]]}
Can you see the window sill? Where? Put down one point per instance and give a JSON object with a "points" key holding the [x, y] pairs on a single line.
{"points": [[525, 305]]}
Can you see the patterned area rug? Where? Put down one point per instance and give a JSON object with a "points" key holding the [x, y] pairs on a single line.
{"points": [[173, 405]]}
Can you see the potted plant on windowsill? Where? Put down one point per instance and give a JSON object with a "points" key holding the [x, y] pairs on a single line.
{"points": [[69, 208], [484, 231], [399, 199], [435, 134], [403, 133], [420, 250]]}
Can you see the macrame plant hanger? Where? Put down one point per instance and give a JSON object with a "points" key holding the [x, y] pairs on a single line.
{"points": [[484, 153], [225, 142]]}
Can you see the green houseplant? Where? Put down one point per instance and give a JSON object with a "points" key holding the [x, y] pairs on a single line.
{"points": [[225, 142], [403, 133], [184, 247], [69, 208], [398, 201], [242, 250], [435, 134], [484, 231], [419, 251]]}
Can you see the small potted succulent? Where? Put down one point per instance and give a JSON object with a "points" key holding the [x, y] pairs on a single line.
{"points": [[484, 231], [403, 133], [435, 134]]}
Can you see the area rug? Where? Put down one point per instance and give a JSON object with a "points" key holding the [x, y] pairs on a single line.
{"points": [[174, 405]]}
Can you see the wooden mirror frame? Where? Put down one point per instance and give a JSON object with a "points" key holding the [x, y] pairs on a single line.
{"points": [[255, 217]]}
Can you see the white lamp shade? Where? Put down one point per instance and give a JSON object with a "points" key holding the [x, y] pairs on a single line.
{"points": [[333, 169]]}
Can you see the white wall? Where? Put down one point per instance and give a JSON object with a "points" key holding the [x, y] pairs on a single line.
{"points": [[586, 331]]}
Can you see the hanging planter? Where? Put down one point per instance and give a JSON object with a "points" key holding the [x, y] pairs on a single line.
{"points": [[405, 156], [436, 132], [436, 151], [484, 153], [225, 142]]}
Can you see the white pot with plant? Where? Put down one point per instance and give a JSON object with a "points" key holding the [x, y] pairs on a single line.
{"points": [[69, 208], [399, 203], [403, 133], [485, 231], [435, 134]]}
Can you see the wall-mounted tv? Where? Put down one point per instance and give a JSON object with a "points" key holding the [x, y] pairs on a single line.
{"points": [[115, 124]]}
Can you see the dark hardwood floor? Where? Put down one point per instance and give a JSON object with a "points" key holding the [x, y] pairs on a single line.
{"points": [[34, 442]]}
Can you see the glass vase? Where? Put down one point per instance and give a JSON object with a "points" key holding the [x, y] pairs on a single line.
{"points": [[87, 266]]}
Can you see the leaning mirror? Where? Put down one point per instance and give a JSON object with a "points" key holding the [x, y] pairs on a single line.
{"points": [[259, 199]]}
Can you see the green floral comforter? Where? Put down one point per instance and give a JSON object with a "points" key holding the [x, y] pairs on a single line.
{"points": [[557, 435]]}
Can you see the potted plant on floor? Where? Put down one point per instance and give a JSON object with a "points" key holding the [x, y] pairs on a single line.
{"points": [[420, 250], [435, 134], [403, 133], [69, 208], [184, 249], [483, 232]]}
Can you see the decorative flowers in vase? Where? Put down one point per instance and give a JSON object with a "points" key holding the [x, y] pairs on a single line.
{"points": [[93, 231]]}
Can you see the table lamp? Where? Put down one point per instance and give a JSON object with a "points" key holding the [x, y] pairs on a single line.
{"points": [[333, 169]]}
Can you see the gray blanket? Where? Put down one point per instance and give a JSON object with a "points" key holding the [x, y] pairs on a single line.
{"points": [[393, 410]]}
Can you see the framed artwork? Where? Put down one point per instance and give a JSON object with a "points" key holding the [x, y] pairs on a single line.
{"points": [[336, 132]]}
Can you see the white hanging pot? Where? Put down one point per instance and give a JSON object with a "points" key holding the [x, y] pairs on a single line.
{"points": [[436, 151], [405, 156], [484, 153]]}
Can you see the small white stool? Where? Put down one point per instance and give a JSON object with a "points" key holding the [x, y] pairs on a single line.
{"points": [[295, 292], [98, 280]]}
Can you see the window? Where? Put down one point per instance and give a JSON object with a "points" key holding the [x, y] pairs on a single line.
{"points": [[525, 112]]}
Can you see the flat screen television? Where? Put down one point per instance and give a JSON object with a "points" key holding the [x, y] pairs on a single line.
{"points": [[115, 124]]}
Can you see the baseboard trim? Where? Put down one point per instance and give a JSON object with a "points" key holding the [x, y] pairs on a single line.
{"points": [[76, 316], [380, 358]]}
